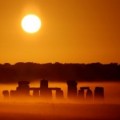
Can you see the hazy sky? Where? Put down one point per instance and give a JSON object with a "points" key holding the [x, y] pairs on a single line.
{"points": [[81, 31]]}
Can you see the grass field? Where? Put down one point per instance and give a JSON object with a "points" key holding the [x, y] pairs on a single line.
{"points": [[58, 111]]}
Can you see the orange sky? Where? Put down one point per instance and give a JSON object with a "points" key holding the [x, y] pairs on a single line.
{"points": [[81, 31]]}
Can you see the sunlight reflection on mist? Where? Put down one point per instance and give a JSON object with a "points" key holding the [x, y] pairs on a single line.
{"points": [[46, 109], [112, 89]]}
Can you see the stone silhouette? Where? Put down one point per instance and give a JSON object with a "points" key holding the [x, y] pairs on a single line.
{"points": [[81, 94], [23, 90], [6, 93], [99, 93], [85, 93], [89, 94], [44, 91], [72, 89]]}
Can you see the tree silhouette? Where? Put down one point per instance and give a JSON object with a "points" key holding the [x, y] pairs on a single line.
{"points": [[59, 72]]}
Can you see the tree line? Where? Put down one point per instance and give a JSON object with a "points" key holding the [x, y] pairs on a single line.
{"points": [[59, 72]]}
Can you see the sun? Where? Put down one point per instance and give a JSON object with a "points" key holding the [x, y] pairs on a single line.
{"points": [[31, 23]]}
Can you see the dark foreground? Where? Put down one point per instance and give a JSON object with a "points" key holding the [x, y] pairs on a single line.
{"points": [[58, 111]]}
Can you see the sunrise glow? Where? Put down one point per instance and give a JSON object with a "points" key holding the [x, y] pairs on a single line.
{"points": [[31, 23]]}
